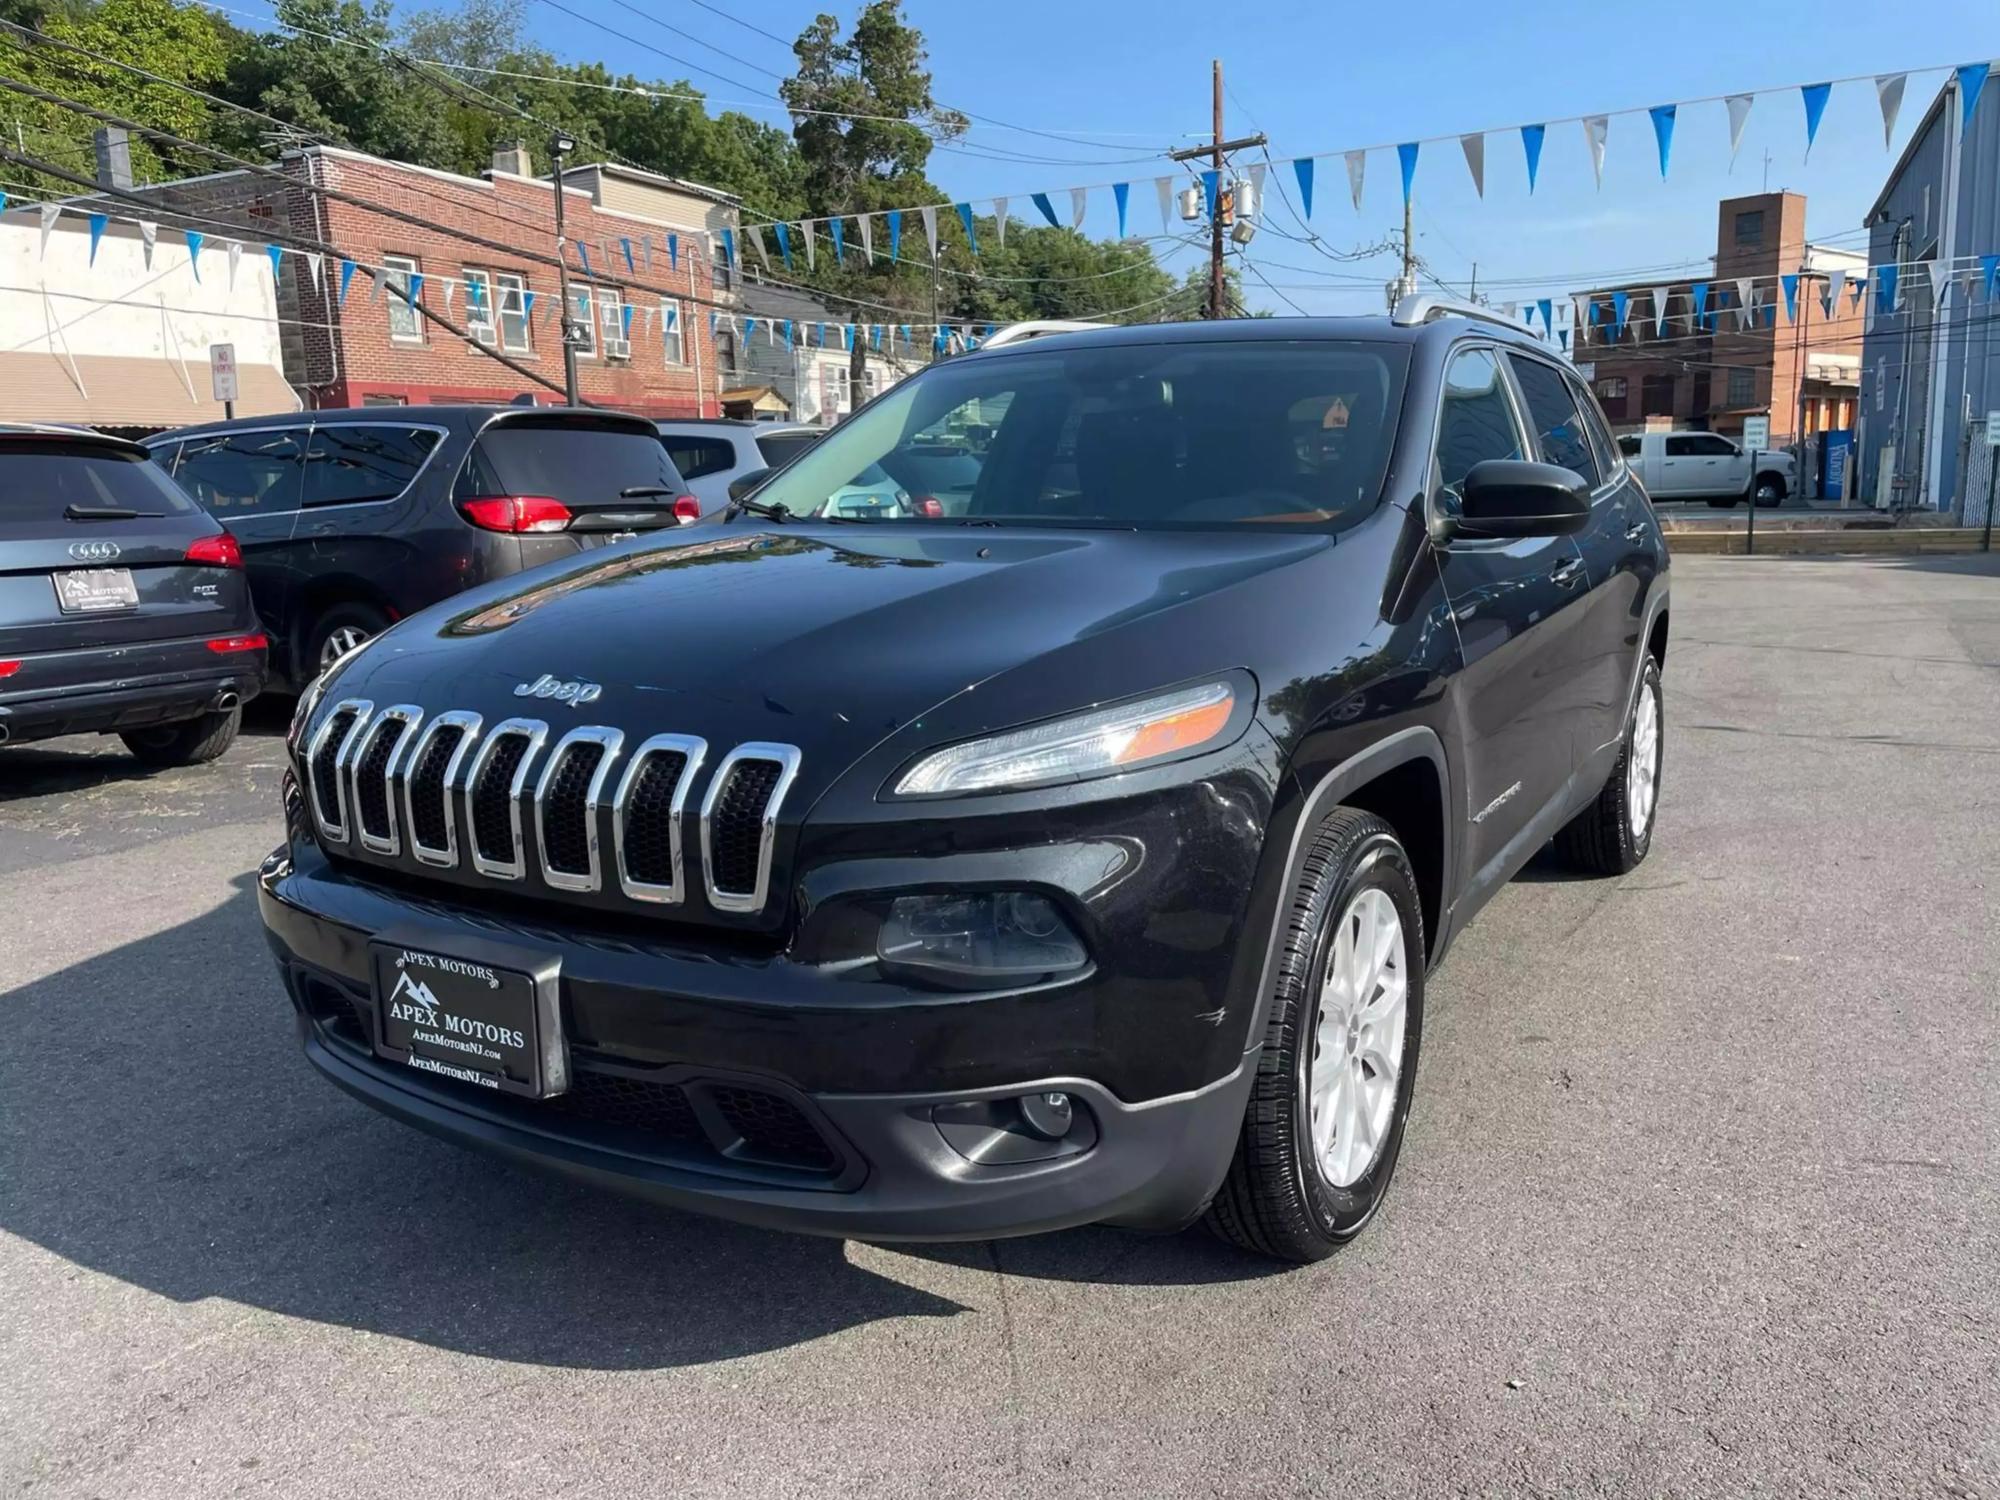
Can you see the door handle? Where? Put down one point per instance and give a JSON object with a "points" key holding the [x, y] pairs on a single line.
{"points": [[1636, 532], [1567, 573]]}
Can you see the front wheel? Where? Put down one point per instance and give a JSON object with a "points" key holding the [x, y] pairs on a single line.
{"points": [[1615, 832], [1338, 1067], [1768, 491]]}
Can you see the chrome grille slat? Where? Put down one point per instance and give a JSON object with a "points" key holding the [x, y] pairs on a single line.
{"points": [[443, 855], [608, 741], [407, 716], [692, 751], [535, 732], [786, 759], [433, 786]]}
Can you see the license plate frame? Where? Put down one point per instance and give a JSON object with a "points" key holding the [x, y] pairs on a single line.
{"points": [[94, 591], [472, 1009]]}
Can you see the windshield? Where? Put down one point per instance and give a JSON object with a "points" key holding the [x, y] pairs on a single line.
{"points": [[1143, 435]]}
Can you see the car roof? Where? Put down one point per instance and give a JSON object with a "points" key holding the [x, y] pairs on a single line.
{"points": [[730, 424], [83, 437], [1379, 328], [468, 414]]}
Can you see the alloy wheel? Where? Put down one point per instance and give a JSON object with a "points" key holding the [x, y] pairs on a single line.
{"points": [[341, 640], [1642, 771], [1357, 1050]]}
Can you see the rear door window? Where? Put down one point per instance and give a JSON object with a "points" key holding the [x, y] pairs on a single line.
{"points": [[244, 473], [697, 458], [1629, 446], [780, 448], [577, 461], [347, 465], [41, 479], [1553, 413]]}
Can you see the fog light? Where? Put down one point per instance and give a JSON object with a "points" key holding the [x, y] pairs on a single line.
{"points": [[997, 937], [1048, 1115]]}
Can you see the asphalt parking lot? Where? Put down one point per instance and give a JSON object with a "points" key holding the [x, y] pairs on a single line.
{"points": [[1701, 1195]]}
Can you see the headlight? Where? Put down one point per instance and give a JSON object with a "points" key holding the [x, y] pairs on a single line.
{"points": [[1098, 743], [302, 713]]}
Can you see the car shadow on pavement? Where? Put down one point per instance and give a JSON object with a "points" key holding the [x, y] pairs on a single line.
{"points": [[78, 763], [158, 1125]]}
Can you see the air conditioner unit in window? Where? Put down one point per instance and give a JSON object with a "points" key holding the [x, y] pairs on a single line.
{"points": [[483, 333], [617, 348]]}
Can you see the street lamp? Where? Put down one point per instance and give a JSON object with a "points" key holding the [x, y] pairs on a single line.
{"points": [[561, 145]]}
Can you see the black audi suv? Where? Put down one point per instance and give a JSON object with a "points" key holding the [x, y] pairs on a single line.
{"points": [[1076, 856], [123, 609]]}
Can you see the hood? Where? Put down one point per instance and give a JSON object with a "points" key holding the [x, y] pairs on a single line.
{"points": [[830, 639]]}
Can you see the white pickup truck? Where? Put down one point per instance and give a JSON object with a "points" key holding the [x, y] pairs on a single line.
{"points": [[1707, 466]]}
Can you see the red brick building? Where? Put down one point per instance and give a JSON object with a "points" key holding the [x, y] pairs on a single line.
{"points": [[371, 347]]}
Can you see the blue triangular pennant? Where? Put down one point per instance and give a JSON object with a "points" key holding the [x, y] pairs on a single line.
{"points": [[839, 252], [895, 218], [784, 243], [1121, 193], [749, 329], [1663, 132], [728, 247], [785, 332], [1301, 169], [1531, 142], [625, 321], [673, 252], [583, 254], [1790, 283], [194, 239], [1815, 96], [1989, 270], [1547, 308], [97, 223], [1699, 295], [971, 234], [413, 288], [1211, 182], [1971, 79], [906, 334], [1041, 202], [1562, 336], [528, 307], [346, 275], [1885, 289], [277, 254], [625, 244], [1407, 155], [1621, 303], [847, 337]]}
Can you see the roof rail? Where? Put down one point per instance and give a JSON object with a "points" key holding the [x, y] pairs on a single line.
{"points": [[1423, 307]]}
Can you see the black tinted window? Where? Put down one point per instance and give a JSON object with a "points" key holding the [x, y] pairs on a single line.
{"points": [[40, 479], [243, 473], [1477, 420], [349, 464], [1593, 426], [1629, 446], [697, 458], [1552, 411], [1682, 447], [782, 447], [579, 462]]}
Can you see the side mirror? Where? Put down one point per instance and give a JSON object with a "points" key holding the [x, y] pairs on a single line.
{"points": [[1505, 497], [743, 484]]}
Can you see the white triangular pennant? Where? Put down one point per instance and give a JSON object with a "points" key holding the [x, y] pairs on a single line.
{"points": [[1357, 163], [149, 235], [1739, 111], [1889, 94], [1474, 147], [1256, 204], [1596, 128], [315, 263], [1000, 222], [1077, 203], [1164, 186], [50, 213], [756, 234], [450, 290], [867, 237], [1836, 283], [930, 229], [806, 229], [1746, 307], [1940, 281], [235, 248], [1660, 296]]}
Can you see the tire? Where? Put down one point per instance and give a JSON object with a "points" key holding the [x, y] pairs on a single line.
{"points": [[1612, 835], [189, 743], [1286, 1196], [1768, 490], [337, 632]]}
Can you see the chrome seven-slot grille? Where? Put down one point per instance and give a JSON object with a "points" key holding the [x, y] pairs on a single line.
{"points": [[456, 794]]}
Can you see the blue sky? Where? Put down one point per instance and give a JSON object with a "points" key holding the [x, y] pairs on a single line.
{"points": [[1134, 77]]}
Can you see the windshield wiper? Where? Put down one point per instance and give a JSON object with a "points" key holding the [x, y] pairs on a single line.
{"points": [[770, 511], [108, 513], [643, 491]]}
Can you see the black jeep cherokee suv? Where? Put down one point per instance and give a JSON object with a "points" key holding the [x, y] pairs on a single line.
{"points": [[1078, 857]]}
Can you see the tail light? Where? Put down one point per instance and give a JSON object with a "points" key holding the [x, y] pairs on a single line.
{"points": [[687, 509], [222, 551], [928, 506], [9, 668], [225, 643], [516, 513]]}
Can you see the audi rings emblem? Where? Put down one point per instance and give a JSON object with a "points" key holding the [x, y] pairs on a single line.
{"points": [[93, 551]]}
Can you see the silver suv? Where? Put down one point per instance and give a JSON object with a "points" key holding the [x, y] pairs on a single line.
{"points": [[711, 452]]}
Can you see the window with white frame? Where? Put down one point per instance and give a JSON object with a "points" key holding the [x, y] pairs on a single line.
{"points": [[611, 323], [479, 320], [671, 340], [406, 326], [512, 292], [583, 332]]}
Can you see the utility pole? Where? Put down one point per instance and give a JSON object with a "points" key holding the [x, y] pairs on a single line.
{"points": [[1216, 153], [560, 146]]}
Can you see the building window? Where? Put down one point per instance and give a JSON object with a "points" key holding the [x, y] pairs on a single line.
{"points": [[406, 326], [673, 345], [1656, 396], [725, 353], [479, 308], [513, 293], [1742, 388], [611, 323], [583, 333], [719, 273], [1750, 229], [1611, 396]]}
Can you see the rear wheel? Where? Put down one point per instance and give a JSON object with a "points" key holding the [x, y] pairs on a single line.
{"points": [[1615, 832], [344, 628], [185, 744], [1335, 1077]]}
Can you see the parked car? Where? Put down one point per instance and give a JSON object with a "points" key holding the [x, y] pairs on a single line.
{"points": [[1708, 466], [1077, 858], [123, 609], [351, 519], [710, 452]]}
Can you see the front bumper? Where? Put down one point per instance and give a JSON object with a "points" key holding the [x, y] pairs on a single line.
{"points": [[109, 689], [719, 1093]]}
